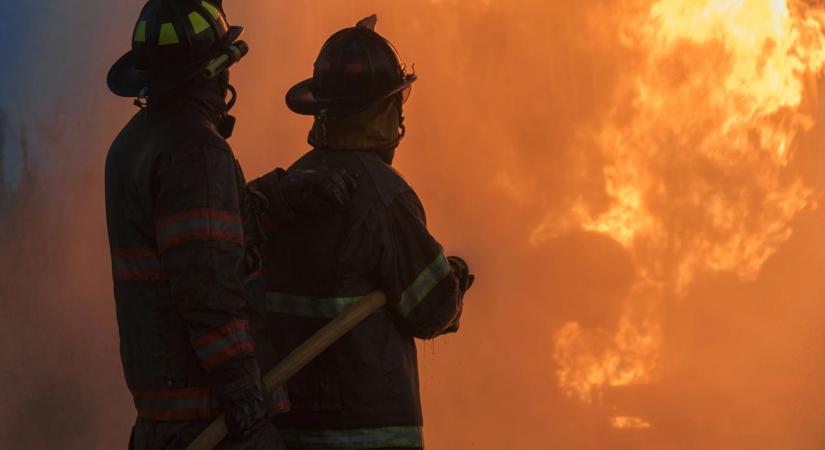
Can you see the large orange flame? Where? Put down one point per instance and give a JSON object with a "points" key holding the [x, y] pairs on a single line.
{"points": [[719, 96]]}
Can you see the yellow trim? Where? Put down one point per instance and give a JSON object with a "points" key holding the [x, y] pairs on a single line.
{"points": [[168, 35], [216, 65], [212, 10], [140, 32], [198, 22]]}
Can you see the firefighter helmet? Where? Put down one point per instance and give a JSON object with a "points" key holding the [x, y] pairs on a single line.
{"points": [[174, 41], [355, 68]]}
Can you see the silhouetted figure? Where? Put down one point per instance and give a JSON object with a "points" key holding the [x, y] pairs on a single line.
{"points": [[184, 233], [363, 392]]}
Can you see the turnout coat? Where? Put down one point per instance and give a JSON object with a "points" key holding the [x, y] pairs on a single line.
{"points": [[363, 392], [184, 262]]}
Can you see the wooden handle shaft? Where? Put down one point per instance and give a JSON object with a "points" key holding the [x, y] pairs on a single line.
{"points": [[299, 358]]}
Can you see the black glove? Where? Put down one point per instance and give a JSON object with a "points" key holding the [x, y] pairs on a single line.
{"points": [[265, 438], [240, 391], [462, 272], [318, 193], [309, 193]]}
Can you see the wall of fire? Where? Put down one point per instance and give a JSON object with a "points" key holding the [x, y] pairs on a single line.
{"points": [[637, 184]]}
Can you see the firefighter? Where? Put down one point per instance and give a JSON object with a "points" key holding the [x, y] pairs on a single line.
{"points": [[183, 233], [363, 392]]}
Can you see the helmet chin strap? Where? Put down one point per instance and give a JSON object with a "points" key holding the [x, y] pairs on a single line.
{"points": [[402, 129], [227, 124], [231, 103]]}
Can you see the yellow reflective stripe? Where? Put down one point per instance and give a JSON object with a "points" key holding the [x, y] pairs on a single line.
{"points": [[426, 281], [198, 22], [216, 65], [140, 31], [168, 35], [313, 307], [217, 14], [361, 438], [212, 10]]}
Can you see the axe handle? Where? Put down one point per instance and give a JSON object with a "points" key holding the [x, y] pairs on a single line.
{"points": [[212, 435]]}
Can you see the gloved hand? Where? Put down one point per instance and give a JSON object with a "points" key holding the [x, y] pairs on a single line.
{"points": [[318, 193], [264, 438], [462, 271], [240, 391], [309, 193]]}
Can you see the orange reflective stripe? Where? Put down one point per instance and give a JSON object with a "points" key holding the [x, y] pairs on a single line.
{"points": [[176, 404]]}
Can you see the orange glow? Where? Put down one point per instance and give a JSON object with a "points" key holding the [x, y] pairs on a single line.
{"points": [[628, 422], [592, 359], [634, 182], [717, 96]]}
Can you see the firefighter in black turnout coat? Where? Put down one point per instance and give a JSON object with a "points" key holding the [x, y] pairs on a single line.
{"points": [[363, 392], [184, 235]]}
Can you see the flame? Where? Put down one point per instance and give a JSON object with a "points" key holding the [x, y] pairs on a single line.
{"points": [[628, 422], [594, 359], [698, 146]]}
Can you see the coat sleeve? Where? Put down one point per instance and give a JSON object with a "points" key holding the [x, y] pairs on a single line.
{"points": [[421, 288], [272, 209], [200, 238]]}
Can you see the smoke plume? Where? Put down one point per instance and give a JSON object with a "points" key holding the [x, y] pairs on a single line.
{"points": [[636, 184]]}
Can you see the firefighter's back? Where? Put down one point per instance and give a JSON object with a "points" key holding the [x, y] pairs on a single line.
{"points": [[155, 348], [363, 391]]}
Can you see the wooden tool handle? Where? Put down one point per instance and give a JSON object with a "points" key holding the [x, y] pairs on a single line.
{"points": [[299, 358]]}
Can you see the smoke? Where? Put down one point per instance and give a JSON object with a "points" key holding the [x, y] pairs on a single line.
{"points": [[507, 146]]}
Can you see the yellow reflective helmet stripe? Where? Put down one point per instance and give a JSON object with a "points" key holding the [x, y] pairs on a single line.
{"points": [[140, 32], [217, 14], [212, 10], [167, 34], [198, 22]]}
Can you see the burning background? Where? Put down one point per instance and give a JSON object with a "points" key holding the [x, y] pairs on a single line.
{"points": [[635, 182]]}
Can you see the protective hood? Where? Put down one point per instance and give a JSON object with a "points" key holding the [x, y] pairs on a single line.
{"points": [[376, 128]]}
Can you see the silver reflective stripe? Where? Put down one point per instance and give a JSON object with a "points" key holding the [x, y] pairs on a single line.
{"points": [[317, 308], [360, 438], [423, 284], [220, 344]]}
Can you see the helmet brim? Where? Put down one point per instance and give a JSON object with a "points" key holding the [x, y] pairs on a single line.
{"points": [[301, 100], [126, 81], [123, 79]]}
